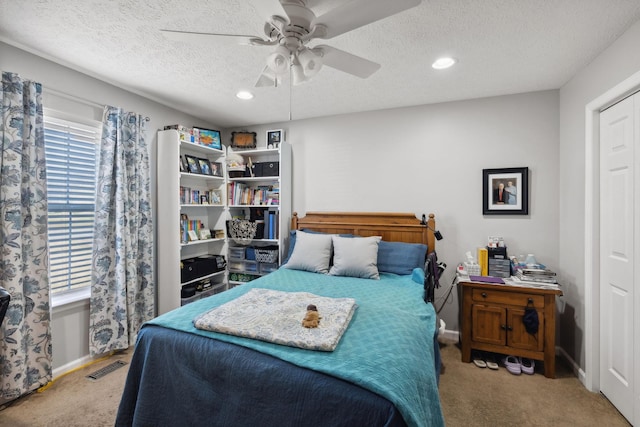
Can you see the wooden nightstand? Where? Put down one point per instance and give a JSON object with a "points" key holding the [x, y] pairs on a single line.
{"points": [[491, 320]]}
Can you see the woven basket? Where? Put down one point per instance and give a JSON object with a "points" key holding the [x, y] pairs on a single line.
{"points": [[242, 231], [267, 254]]}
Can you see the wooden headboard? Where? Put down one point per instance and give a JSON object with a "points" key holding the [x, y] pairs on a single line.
{"points": [[393, 227]]}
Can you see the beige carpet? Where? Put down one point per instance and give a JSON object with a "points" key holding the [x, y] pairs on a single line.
{"points": [[72, 400], [484, 397], [470, 396]]}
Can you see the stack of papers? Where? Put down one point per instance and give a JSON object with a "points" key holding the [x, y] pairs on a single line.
{"points": [[537, 275]]}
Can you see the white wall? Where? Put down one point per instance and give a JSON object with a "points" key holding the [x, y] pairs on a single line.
{"points": [[420, 159], [618, 62], [70, 332], [430, 159]]}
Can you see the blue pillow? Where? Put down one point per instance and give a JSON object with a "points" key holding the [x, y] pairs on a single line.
{"points": [[400, 258]]}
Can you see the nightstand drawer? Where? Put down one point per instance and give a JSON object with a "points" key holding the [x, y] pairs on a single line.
{"points": [[510, 298]]}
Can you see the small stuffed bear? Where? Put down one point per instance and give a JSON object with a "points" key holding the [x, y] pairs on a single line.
{"points": [[312, 318]]}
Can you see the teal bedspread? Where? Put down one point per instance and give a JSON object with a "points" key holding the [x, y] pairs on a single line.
{"points": [[388, 348]]}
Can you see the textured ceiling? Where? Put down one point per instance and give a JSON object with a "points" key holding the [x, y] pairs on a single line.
{"points": [[503, 47]]}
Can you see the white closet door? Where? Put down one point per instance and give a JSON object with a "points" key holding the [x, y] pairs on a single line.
{"points": [[617, 262], [636, 278]]}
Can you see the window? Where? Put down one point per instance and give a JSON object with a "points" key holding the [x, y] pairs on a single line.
{"points": [[70, 155]]}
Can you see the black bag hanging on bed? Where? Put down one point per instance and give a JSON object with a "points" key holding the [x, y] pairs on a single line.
{"points": [[432, 271]]}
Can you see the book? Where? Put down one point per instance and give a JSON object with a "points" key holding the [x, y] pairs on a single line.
{"points": [[272, 225], [486, 279], [537, 271], [530, 278]]}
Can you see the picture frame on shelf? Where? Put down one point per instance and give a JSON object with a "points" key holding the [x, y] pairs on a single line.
{"points": [[243, 140], [204, 199], [505, 191], [205, 166], [205, 234], [216, 169], [193, 236], [209, 138], [274, 138], [192, 164], [216, 197]]}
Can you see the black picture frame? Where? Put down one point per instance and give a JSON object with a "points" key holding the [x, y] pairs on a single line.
{"points": [[274, 138], [209, 138], [512, 198], [205, 166], [243, 140], [216, 169], [192, 164]]}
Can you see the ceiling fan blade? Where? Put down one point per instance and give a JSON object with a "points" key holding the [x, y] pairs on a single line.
{"points": [[268, 8], [188, 36], [358, 13], [347, 62]]}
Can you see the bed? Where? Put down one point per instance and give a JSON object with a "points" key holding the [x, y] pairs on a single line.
{"points": [[383, 371]]}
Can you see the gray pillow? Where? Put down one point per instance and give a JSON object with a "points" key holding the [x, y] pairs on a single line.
{"points": [[355, 257], [312, 252]]}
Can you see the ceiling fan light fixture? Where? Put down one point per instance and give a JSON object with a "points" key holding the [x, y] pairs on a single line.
{"points": [[310, 62], [443, 63], [278, 60], [297, 74]]}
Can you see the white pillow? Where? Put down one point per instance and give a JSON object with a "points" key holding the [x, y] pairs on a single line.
{"points": [[312, 252], [355, 257]]}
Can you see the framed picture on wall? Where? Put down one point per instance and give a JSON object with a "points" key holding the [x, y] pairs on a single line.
{"points": [[505, 191], [274, 138]]}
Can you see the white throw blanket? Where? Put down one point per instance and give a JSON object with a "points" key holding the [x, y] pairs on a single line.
{"points": [[276, 316]]}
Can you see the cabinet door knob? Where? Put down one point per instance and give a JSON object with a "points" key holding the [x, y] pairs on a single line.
{"points": [[503, 327], [484, 294]]}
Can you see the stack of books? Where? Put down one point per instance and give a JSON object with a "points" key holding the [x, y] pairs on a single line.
{"points": [[539, 275]]}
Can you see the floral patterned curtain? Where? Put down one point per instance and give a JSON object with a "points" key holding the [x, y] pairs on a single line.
{"points": [[25, 335], [122, 288]]}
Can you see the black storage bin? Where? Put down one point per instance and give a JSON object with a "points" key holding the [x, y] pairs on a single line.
{"points": [[270, 169], [256, 168], [188, 270], [188, 291], [208, 264]]}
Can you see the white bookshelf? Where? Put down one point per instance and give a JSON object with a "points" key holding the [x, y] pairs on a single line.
{"points": [[282, 154], [170, 248]]}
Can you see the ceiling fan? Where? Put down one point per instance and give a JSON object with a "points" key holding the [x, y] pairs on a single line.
{"points": [[291, 25]]}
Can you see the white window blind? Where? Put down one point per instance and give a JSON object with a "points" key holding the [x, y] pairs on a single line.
{"points": [[70, 155]]}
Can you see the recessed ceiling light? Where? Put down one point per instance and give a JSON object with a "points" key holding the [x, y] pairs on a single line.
{"points": [[243, 94], [442, 63]]}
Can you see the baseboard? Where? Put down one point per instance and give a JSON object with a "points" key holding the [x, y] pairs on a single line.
{"points": [[61, 370], [449, 335], [577, 371]]}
